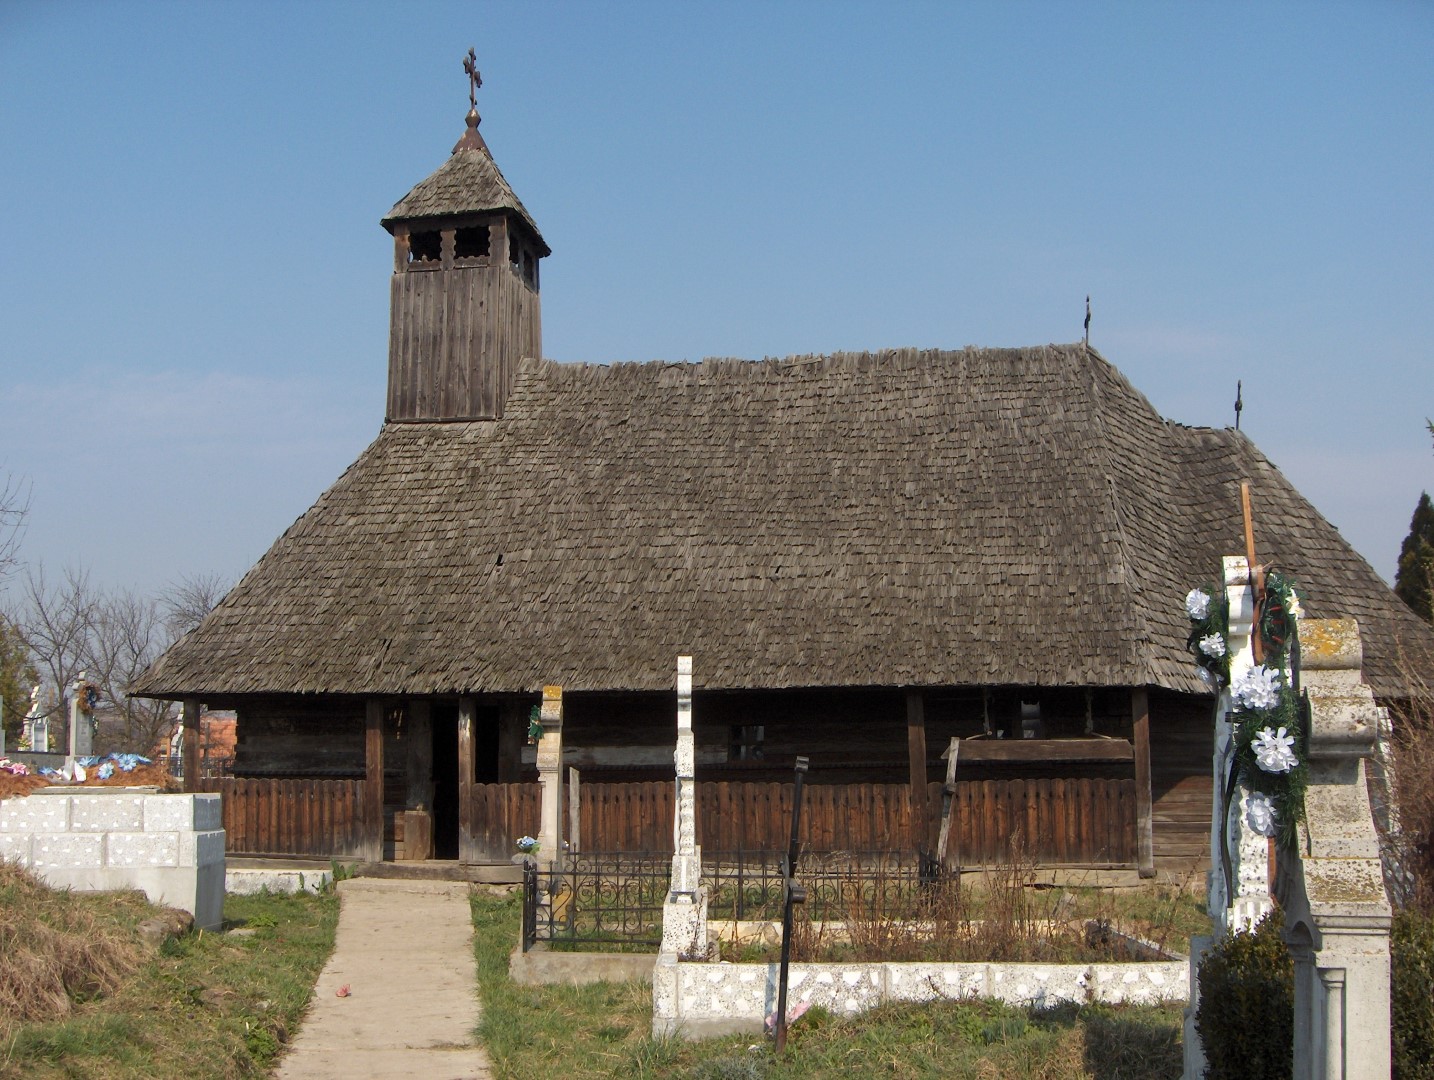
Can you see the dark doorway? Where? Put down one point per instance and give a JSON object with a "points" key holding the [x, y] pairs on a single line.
{"points": [[445, 781], [485, 744]]}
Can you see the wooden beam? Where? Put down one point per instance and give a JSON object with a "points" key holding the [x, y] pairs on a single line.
{"points": [[373, 778], [1144, 825], [191, 747], [1054, 751], [916, 753], [467, 713]]}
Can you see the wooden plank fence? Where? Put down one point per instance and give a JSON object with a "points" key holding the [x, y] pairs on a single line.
{"points": [[1084, 822], [291, 817]]}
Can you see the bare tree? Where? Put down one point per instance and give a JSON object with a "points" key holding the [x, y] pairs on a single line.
{"points": [[55, 625], [187, 601], [112, 636], [14, 505]]}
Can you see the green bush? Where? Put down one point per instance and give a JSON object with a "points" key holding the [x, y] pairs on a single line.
{"points": [[1246, 1017], [1411, 1000]]}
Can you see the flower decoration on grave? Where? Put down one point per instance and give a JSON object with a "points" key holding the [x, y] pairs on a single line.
{"points": [[527, 845], [1261, 814], [88, 696], [535, 725], [1275, 750], [1209, 614], [1268, 714]]}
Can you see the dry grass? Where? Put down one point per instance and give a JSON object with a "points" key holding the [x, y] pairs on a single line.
{"points": [[996, 915], [58, 949]]}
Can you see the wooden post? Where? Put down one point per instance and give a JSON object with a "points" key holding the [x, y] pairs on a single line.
{"points": [[916, 752], [467, 843], [373, 778], [575, 811], [1144, 823], [191, 744]]}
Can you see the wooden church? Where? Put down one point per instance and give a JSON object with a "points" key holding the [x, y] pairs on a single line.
{"points": [[868, 555]]}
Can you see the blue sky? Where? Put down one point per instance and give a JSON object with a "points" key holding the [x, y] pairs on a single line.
{"points": [[194, 297]]}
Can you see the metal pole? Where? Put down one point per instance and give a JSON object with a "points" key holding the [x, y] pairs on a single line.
{"points": [[793, 894]]}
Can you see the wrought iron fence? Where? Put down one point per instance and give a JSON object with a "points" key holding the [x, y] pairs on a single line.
{"points": [[596, 898], [747, 885]]}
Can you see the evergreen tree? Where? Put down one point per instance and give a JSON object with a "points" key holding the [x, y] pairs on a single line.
{"points": [[17, 675], [1414, 579]]}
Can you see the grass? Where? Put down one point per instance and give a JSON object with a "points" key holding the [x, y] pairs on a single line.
{"points": [[204, 1005], [603, 1030]]}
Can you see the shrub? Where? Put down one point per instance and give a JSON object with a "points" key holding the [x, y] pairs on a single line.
{"points": [[1411, 1007], [1246, 1017]]}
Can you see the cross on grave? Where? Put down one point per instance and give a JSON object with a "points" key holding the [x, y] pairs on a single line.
{"points": [[475, 80]]}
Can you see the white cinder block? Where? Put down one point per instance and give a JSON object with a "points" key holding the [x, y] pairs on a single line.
{"points": [[35, 814], [101, 812], [136, 849], [168, 813], [67, 851], [15, 847]]}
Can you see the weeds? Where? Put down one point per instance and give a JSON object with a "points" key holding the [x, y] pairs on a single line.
{"points": [[603, 1030], [201, 1005]]}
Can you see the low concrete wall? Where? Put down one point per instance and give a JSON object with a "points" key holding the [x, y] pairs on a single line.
{"points": [[540, 966], [171, 847], [700, 999]]}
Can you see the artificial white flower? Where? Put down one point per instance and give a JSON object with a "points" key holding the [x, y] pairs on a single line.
{"points": [[1207, 677], [1260, 813], [1197, 603], [1212, 645], [1294, 605], [1257, 688], [1274, 750]]}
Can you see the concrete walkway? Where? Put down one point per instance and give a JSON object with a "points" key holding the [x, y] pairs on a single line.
{"points": [[405, 951]]}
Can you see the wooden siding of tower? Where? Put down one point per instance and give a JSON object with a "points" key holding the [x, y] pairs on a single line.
{"points": [[455, 339]]}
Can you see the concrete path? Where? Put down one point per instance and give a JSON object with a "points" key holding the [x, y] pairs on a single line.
{"points": [[405, 951]]}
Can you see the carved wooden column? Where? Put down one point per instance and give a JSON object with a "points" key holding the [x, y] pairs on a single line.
{"points": [[916, 756], [190, 743], [1144, 822], [467, 843], [373, 777]]}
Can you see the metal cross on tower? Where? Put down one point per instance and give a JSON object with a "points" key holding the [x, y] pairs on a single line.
{"points": [[475, 80]]}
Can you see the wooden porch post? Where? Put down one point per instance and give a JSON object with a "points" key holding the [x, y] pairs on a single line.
{"points": [[191, 743], [916, 754], [1144, 822], [373, 778], [467, 846]]}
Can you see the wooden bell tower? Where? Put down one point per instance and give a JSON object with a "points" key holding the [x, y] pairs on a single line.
{"points": [[464, 298]]}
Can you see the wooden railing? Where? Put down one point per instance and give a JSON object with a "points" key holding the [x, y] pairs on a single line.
{"points": [[1085, 822], [292, 817]]}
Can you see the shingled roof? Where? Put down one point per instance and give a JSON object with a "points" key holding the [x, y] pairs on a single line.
{"points": [[1012, 516], [469, 182]]}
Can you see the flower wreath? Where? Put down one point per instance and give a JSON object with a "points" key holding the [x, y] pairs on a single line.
{"points": [[1269, 714], [535, 725]]}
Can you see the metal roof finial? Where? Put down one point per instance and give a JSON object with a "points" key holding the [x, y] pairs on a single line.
{"points": [[475, 79], [1239, 402], [471, 139]]}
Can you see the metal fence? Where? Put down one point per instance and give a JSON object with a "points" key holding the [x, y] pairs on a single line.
{"points": [[612, 898], [617, 897], [747, 885]]}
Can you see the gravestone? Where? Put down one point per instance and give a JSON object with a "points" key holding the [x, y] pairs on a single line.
{"points": [[1337, 913], [684, 912], [550, 776]]}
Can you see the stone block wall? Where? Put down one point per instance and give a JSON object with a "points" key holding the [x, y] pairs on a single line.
{"points": [[171, 847], [700, 999]]}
